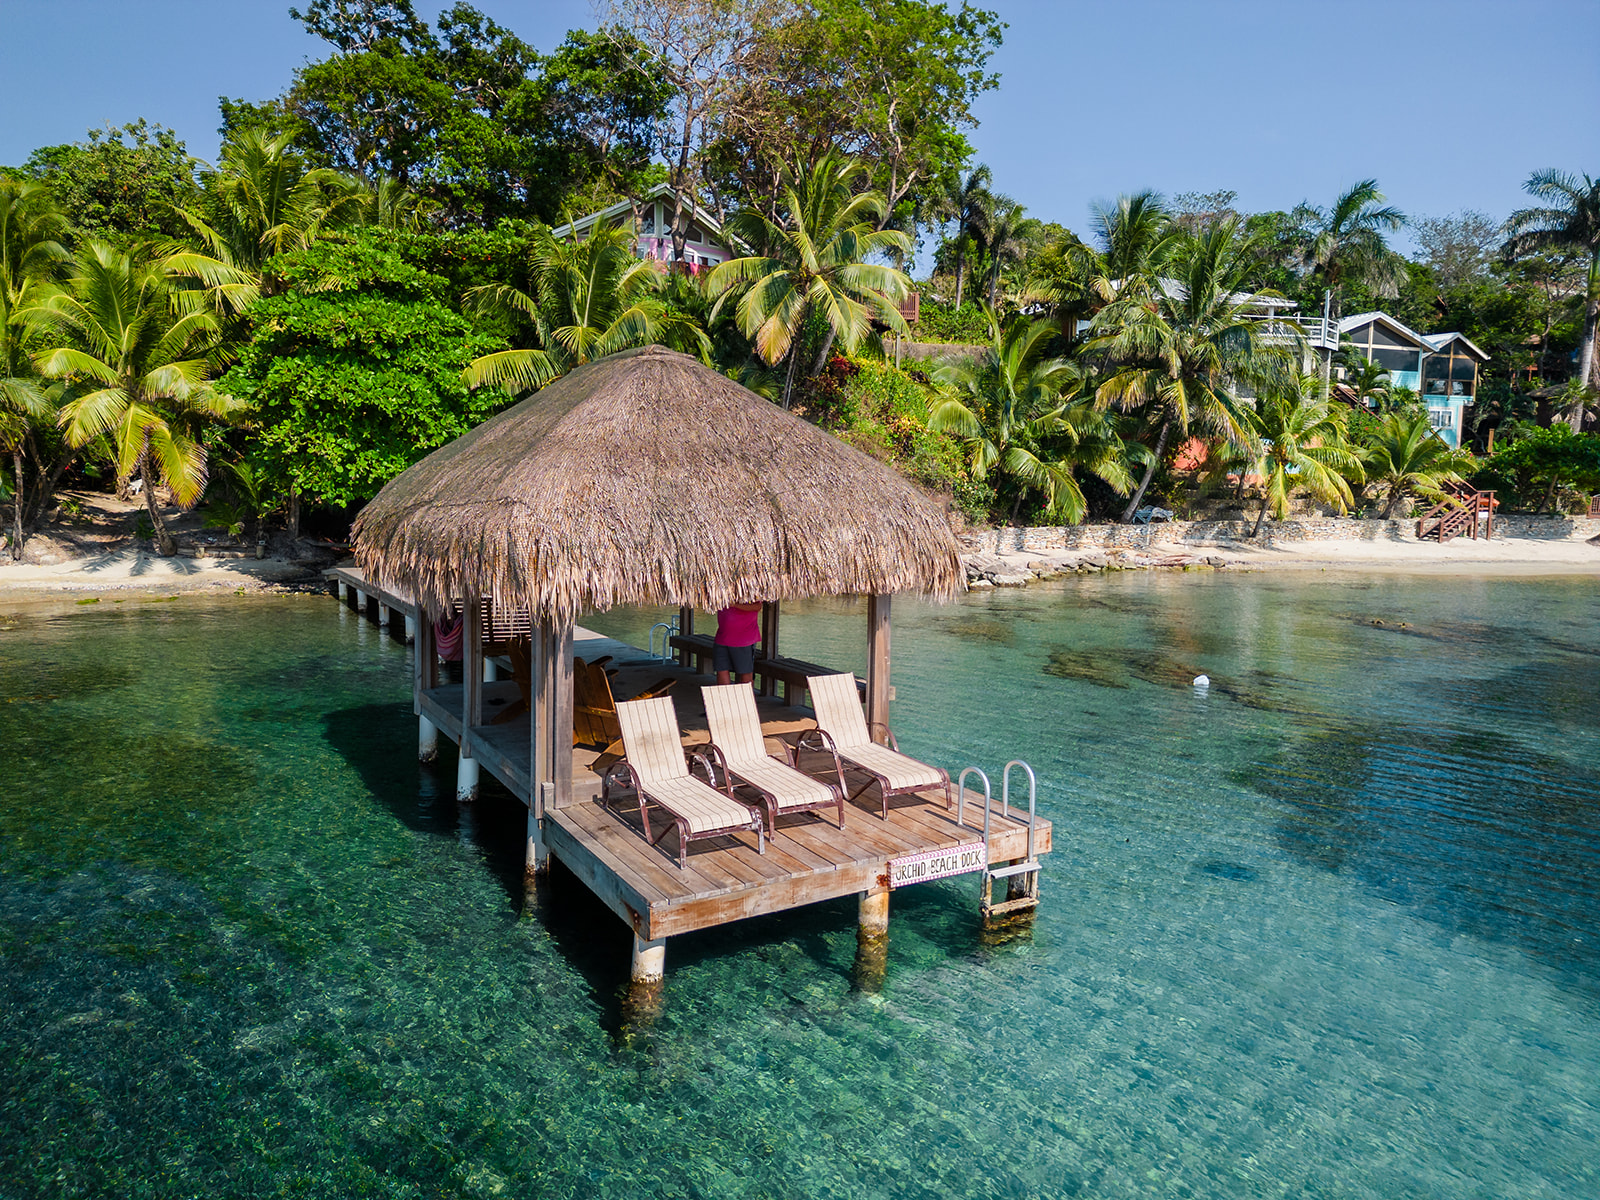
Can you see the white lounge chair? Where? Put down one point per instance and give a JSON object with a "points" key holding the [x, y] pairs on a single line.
{"points": [[655, 766], [740, 750], [843, 725]]}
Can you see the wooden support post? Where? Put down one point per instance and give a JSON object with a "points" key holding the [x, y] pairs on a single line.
{"points": [[561, 702], [411, 630], [343, 590], [536, 860], [874, 915], [471, 699], [491, 670], [769, 641], [877, 663], [649, 960], [361, 601], [685, 627], [425, 677], [383, 616]]}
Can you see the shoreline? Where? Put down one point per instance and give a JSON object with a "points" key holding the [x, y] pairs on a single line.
{"points": [[135, 573]]}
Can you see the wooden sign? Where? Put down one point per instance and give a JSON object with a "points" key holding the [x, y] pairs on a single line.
{"points": [[936, 864]]}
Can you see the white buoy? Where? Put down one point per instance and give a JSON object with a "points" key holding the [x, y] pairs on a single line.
{"points": [[1202, 682]]}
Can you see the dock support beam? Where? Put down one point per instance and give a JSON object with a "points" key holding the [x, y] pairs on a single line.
{"points": [[874, 917], [471, 699], [427, 740], [878, 690], [383, 616], [425, 679], [491, 670], [649, 960], [411, 629]]}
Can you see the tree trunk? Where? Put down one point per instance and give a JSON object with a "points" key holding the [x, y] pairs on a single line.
{"points": [[960, 258], [788, 379], [827, 349], [1161, 448], [1260, 516], [1394, 499], [1586, 365], [1549, 494], [165, 546], [294, 513], [1017, 507], [16, 507]]}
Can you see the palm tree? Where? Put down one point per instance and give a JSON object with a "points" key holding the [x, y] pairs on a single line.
{"points": [[1569, 224], [31, 256], [1007, 238], [1012, 407], [1179, 349], [1369, 381], [1302, 444], [815, 266], [587, 299], [264, 202], [966, 202], [1135, 238], [1345, 244], [139, 366], [1407, 453]]}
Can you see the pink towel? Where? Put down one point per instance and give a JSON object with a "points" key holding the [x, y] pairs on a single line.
{"points": [[447, 637]]}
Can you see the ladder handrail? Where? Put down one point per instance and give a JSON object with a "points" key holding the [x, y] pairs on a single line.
{"points": [[960, 802], [1005, 799]]}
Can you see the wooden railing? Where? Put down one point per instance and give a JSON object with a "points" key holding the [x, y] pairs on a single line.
{"points": [[1463, 510]]}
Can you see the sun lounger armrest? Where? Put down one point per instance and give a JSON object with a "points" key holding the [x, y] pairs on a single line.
{"points": [[714, 757], [887, 732], [705, 762], [619, 775]]}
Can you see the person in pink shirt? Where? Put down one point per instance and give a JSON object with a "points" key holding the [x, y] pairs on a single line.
{"points": [[734, 651]]}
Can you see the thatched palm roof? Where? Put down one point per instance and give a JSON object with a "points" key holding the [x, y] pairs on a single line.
{"points": [[647, 478]]}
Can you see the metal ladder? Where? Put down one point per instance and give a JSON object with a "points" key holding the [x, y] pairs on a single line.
{"points": [[1022, 878], [669, 630]]}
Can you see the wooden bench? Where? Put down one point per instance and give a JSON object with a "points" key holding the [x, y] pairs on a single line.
{"points": [[698, 648], [792, 673]]}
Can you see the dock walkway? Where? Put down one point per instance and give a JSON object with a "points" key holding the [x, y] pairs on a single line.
{"points": [[808, 858]]}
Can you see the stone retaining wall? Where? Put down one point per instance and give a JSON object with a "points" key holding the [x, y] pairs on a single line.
{"points": [[1011, 540]]}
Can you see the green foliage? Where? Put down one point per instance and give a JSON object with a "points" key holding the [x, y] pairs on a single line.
{"points": [[121, 185], [355, 369], [1540, 463], [470, 115], [938, 322]]}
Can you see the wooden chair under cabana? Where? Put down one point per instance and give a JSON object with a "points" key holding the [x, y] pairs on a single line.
{"points": [[643, 478]]}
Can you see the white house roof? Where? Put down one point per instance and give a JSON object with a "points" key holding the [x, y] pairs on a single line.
{"points": [[1438, 341], [1383, 318], [583, 224]]}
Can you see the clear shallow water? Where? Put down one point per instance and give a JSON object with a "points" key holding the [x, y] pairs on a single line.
{"points": [[1329, 930]]}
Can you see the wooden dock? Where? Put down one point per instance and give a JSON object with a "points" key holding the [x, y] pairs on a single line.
{"points": [[808, 858]]}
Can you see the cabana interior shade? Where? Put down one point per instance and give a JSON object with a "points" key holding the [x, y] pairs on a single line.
{"points": [[648, 478]]}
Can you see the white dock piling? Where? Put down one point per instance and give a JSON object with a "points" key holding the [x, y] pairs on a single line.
{"points": [[427, 740]]}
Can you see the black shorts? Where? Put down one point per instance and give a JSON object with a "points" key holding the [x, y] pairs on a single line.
{"points": [[741, 660]]}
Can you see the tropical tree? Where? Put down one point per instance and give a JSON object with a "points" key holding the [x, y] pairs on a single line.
{"points": [[1344, 244], [1134, 239], [1302, 444], [1179, 350], [139, 369], [1007, 238], [1407, 454], [31, 255], [263, 201], [966, 202], [1012, 410], [588, 299], [814, 265], [1568, 223], [1369, 381]]}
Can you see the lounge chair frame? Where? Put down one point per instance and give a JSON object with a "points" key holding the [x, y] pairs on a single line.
{"points": [[624, 775], [771, 802], [826, 740]]}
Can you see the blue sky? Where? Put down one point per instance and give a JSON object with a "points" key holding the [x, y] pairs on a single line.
{"points": [[1449, 105]]}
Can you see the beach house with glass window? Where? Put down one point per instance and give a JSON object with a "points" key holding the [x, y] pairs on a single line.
{"points": [[651, 218], [1441, 367]]}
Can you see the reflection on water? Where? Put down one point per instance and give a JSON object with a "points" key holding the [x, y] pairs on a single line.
{"points": [[1330, 927]]}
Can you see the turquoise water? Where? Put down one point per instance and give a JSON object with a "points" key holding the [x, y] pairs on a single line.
{"points": [[1329, 929]]}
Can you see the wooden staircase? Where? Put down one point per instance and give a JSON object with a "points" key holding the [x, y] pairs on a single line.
{"points": [[1463, 510]]}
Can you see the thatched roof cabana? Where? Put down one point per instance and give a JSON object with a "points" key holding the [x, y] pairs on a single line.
{"points": [[648, 478]]}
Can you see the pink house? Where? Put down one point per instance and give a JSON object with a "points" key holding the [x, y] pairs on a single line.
{"points": [[703, 249]]}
